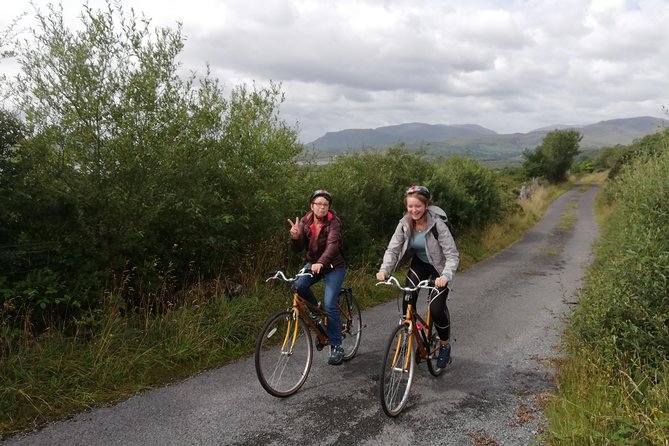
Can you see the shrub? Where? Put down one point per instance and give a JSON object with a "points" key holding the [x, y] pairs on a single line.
{"points": [[625, 308], [469, 192]]}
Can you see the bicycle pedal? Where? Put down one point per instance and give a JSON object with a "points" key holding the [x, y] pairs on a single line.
{"points": [[320, 346]]}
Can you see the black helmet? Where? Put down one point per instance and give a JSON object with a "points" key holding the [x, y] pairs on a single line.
{"points": [[321, 193], [424, 191]]}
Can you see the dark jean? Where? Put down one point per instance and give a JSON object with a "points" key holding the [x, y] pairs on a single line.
{"points": [[333, 281]]}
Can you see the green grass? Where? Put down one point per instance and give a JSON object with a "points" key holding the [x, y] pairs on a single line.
{"points": [[600, 406], [55, 376], [567, 221], [52, 377], [613, 384]]}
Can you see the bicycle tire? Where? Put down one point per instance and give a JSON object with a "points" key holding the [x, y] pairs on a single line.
{"points": [[282, 367], [351, 321], [397, 371]]}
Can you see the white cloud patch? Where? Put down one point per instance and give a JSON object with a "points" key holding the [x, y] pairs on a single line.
{"points": [[508, 65]]}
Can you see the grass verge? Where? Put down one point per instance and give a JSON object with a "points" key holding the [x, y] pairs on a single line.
{"points": [[607, 395], [597, 405]]}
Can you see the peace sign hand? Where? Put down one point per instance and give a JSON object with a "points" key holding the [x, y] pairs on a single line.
{"points": [[294, 228]]}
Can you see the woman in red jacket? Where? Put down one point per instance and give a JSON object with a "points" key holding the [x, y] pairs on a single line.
{"points": [[319, 232]]}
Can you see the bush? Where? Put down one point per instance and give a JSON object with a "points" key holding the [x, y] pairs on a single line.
{"points": [[469, 192], [368, 192], [648, 146], [553, 158], [625, 308]]}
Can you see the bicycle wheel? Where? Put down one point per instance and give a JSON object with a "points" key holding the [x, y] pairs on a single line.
{"points": [[284, 354], [396, 371], [351, 322]]}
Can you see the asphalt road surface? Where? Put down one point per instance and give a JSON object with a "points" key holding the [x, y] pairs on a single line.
{"points": [[507, 315]]}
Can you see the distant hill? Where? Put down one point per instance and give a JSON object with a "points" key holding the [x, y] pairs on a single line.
{"points": [[479, 142], [394, 134]]}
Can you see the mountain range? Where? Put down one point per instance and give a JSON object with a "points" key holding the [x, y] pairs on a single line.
{"points": [[480, 142]]}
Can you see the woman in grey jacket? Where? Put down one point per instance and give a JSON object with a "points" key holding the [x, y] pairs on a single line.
{"points": [[433, 255]]}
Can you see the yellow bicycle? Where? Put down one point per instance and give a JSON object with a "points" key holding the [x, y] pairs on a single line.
{"points": [[284, 349], [413, 340]]}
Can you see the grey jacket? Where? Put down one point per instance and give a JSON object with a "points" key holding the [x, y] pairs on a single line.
{"points": [[442, 253]]}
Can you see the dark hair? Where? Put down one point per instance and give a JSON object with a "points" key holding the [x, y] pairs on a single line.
{"points": [[321, 193]]}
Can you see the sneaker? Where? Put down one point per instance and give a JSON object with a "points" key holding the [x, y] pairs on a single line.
{"points": [[336, 355], [444, 356]]}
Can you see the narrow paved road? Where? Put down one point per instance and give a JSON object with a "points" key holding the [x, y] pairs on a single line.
{"points": [[507, 316]]}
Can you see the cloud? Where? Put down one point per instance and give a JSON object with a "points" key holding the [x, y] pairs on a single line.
{"points": [[508, 65]]}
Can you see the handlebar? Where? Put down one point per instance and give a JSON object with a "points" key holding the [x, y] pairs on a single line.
{"points": [[279, 275], [423, 284]]}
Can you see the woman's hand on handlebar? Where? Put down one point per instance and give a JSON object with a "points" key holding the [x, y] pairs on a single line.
{"points": [[381, 276], [441, 282]]}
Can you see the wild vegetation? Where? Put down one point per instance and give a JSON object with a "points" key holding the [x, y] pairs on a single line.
{"points": [[554, 157], [614, 382], [140, 211]]}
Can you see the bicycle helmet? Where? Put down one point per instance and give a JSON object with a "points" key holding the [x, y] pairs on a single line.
{"points": [[422, 190], [321, 193]]}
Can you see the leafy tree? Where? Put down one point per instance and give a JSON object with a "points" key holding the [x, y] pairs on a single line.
{"points": [[368, 188], [144, 180], [468, 191], [12, 132], [7, 50], [648, 146], [606, 157], [553, 158]]}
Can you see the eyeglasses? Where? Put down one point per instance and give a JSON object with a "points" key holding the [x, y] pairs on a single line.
{"points": [[321, 203]]}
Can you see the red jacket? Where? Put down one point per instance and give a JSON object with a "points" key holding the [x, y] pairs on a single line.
{"points": [[330, 241]]}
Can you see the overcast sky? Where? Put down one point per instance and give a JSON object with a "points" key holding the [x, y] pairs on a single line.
{"points": [[510, 66]]}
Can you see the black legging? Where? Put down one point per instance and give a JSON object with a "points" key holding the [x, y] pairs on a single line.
{"points": [[418, 271]]}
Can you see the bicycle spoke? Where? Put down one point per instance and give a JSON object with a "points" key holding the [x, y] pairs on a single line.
{"points": [[283, 354], [351, 324], [397, 372]]}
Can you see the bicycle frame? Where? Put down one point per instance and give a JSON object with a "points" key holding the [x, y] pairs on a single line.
{"points": [[401, 355], [300, 306], [420, 329]]}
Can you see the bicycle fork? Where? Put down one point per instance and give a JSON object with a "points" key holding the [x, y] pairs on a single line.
{"points": [[292, 326], [404, 344]]}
